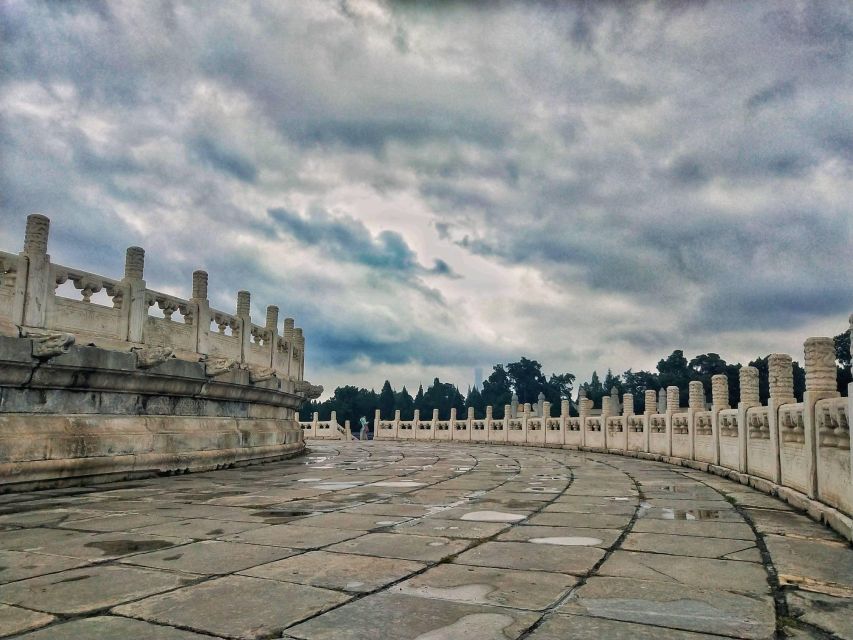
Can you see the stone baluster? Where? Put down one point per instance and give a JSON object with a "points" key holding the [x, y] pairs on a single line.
{"points": [[434, 421], [377, 419], [244, 323], [749, 397], [271, 340], [614, 401], [299, 341], [821, 382], [514, 405], [416, 418], [583, 412], [606, 409], [134, 308], [650, 402], [564, 410], [672, 399], [661, 402], [780, 374], [546, 412], [201, 305], [540, 400], [314, 422], [719, 392], [289, 351], [627, 406], [452, 420], [749, 387], [470, 416], [33, 285], [489, 415], [696, 396]]}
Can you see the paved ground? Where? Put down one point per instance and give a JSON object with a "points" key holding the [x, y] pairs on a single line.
{"points": [[422, 541]]}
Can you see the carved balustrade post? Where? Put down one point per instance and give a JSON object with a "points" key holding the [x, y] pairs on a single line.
{"points": [[33, 285], [299, 340], [821, 382], [514, 405], [650, 408], [202, 316], [695, 404], [583, 412], [719, 402], [271, 340], [780, 373], [615, 405], [661, 401], [627, 406], [673, 403], [288, 356], [244, 323], [377, 421], [749, 397], [134, 307]]}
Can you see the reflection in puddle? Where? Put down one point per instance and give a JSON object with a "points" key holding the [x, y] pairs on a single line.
{"points": [[463, 593], [484, 626], [492, 516], [567, 541], [398, 483]]}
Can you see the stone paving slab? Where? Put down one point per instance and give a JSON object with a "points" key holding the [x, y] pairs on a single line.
{"points": [[235, 606], [426, 541], [403, 546], [342, 571], [564, 627], [16, 620], [89, 588], [482, 585], [696, 572], [399, 617], [110, 628], [675, 606], [538, 557], [210, 557]]}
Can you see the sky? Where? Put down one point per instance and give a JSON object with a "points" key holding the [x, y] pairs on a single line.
{"points": [[431, 187]]}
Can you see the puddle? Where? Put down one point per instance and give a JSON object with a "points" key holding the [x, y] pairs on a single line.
{"points": [[567, 541], [274, 516], [74, 579], [310, 480], [387, 523], [398, 483], [121, 547], [492, 516], [464, 593], [334, 486], [353, 585], [436, 544], [484, 626]]}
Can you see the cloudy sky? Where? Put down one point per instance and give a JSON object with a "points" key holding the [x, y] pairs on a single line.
{"points": [[432, 187]]}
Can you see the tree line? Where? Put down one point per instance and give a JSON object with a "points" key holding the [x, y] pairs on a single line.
{"points": [[526, 379]]}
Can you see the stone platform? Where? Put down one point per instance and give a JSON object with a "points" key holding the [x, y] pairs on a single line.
{"points": [[421, 541]]}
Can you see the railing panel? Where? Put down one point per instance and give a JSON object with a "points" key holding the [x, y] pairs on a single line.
{"points": [[834, 480]]}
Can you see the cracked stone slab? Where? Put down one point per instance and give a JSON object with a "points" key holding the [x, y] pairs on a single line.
{"points": [[696, 572], [568, 536], [819, 564], [235, 606], [399, 617], [591, 520], [483, 585], [564, 627], [89, 588], [690, 546], [452, 528], [198, 528], [110, 627], [357, 521], [346, 572], [675, 606], [789, 523], [699, 528], [832, 615], [536, 557]]}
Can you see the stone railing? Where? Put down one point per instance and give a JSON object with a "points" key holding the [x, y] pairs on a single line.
{"points": [[329, 429], [95, 386], [188, 329], [799, 451]]}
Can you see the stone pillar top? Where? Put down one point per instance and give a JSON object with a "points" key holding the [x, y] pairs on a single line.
{"points": [[199, 285], [244, 299], [36, 234], [628, 404], [272, 317], [780, 375], [134, 263], [820, 364], [749, 386], [470, 413], [720, 391], [672, 398], [696, 395], [651, 400], [661, 400], [606, 405]]}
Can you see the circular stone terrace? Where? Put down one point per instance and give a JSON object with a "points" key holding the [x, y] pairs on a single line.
{"points": [[421, 541]]}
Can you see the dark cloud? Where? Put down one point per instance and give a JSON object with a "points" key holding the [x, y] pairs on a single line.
{"points": [[447, 184]]}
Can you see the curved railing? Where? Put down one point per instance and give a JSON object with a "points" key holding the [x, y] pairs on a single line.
{"points": [[799, 451]]}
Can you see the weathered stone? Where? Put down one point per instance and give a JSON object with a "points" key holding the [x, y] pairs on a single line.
{"points": [[210, 557], [110, 627], [399, 545], [538, 557], [564, 627], [219, 606], [15, 620]]}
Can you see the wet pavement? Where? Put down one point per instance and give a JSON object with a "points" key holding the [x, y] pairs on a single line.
{"points": [[399, 541]]}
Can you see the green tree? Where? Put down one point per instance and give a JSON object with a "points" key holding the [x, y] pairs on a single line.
{"points": [[443, 396], [419, 401], [497, 390], [527, 379], [674, 371], [594, 389], [637, 383], [386, 402], [475, 400], [842, 356], [406, 404]]}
